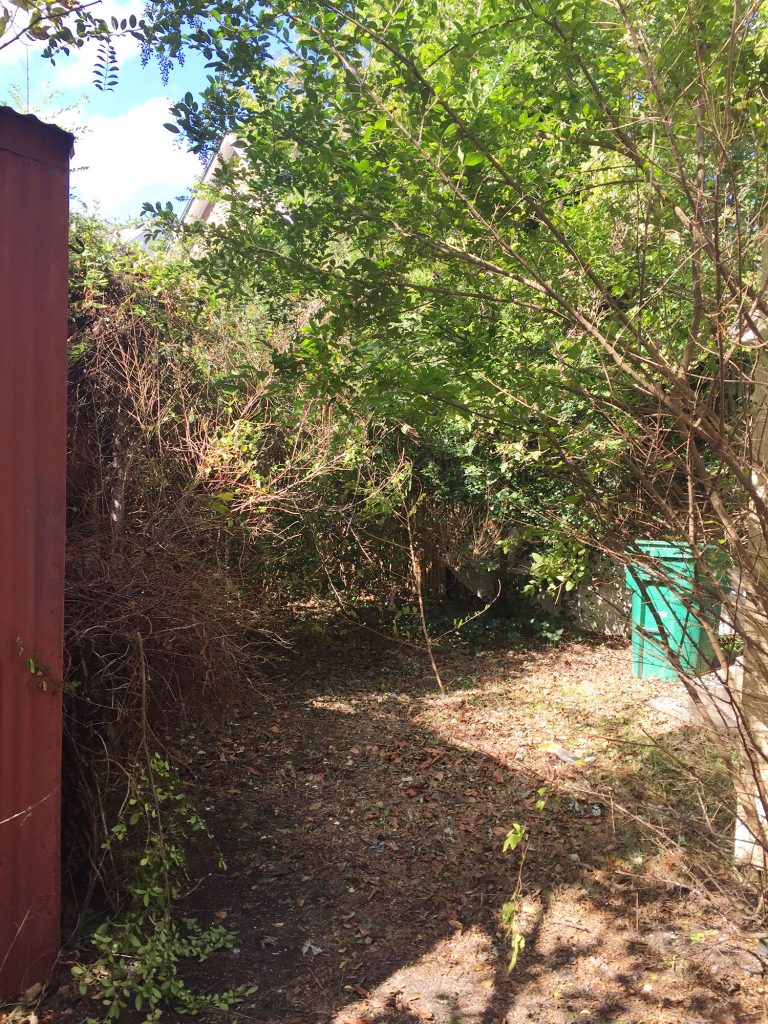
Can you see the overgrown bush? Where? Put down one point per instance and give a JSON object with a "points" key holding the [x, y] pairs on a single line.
{"points": [[162, 604]]}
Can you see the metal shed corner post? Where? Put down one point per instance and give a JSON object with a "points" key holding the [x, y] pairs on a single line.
{"points": [[34, 200]]}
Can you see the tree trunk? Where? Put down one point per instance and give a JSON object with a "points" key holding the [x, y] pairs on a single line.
{"points": [[751, 846]]}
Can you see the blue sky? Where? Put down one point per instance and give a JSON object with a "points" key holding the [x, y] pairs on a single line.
{"points": [[123, 155]]}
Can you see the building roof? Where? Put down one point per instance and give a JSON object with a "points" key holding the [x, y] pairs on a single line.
{"points": [[11, 122], [200, 208]]}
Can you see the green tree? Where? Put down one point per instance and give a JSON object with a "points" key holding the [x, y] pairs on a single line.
{"points": [[548, 217]]}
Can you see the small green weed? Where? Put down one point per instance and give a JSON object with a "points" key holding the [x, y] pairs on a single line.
{"points": [[511, 925], [548, 629], [141, 951], [732, 644], [509, 918]]}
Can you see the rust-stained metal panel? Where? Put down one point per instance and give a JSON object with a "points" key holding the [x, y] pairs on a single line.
{"points": [[34, 170]]}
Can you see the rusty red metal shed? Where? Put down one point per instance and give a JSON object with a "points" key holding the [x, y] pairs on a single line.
{"points": [[34, 199]]}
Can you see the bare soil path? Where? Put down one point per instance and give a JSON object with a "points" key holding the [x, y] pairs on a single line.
{"points": [[362, 816]]}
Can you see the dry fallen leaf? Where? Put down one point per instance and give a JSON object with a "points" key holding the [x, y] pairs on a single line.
{"points": [[32, 993]]}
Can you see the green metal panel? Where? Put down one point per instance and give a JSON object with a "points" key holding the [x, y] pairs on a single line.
{"points": [[666, 628]]}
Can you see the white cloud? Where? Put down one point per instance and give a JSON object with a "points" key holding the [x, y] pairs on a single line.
{"points": [[125, 160]]}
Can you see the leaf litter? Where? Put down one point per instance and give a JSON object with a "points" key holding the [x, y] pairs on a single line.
{"points": [[362, 815]]}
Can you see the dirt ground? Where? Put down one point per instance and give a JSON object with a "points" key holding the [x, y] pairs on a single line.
{"points": [[362, 815]]}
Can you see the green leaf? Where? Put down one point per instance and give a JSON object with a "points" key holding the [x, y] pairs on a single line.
{"points": [[514, 837]]}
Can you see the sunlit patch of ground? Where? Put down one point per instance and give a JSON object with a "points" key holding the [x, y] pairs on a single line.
{"points": [[454, 980]]}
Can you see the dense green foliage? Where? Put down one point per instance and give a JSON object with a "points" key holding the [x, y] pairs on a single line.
{"points": [[502, 222]]}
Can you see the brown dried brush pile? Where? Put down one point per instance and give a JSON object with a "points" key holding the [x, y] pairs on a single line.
{"points": [[166, 600]]}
